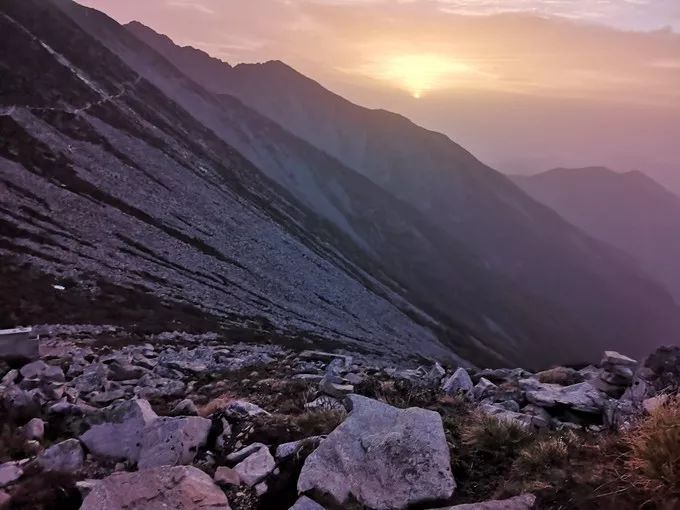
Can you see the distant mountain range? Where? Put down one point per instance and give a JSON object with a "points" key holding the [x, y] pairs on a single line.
{"points": [[252, 198], [628, 210]]}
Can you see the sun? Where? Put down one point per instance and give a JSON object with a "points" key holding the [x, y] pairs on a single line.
{"points": [[421, 73]]}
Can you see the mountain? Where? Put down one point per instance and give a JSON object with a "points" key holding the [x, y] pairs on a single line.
{"points": [[597, 289], [118, 204], [628, 210], [134, 184], [475, 312]]}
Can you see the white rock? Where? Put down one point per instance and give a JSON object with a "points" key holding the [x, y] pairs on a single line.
{"points": [[381, 456], [304, 503], [256, 467]]}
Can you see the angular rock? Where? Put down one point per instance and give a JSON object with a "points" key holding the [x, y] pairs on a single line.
{"points": [[484, 388], [526, 421], [245, 452], [42, 371], [563, 376], [162, 488], [580, 397], [240, 409], [118, 435], [459, 382], [613, 358], [172, 441], [10, 472], [19, 344], [332, 385], [305, 503], [34, 429], [226, 477], [523, 502], [381, 456], [256, 467], [286, 450], [185, 407], [64, 457]]}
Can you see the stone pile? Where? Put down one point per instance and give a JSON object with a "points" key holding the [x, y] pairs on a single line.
{"points": [[134, 437]]}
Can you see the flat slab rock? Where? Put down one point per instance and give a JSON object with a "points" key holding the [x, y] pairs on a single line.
{"points": [[381, 456], [162, 488], [523, 502]]}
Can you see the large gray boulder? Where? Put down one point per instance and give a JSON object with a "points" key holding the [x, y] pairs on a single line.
{"points": [[162, 488], [173, 441], [523, 502], [382, 457], [119, 431], [582, 397]]}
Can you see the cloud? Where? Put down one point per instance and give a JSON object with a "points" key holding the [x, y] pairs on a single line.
{"points": [[192, 5]]}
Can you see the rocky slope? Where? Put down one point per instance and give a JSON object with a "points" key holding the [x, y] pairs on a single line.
{"points": [[630, 211], [120, 198], [98, 420], [478, 313], [503, 228]]}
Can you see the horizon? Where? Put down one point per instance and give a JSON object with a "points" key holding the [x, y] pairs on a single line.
{"points": [[574, 89]]}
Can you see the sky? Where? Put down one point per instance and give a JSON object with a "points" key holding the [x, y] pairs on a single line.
{"points": [[526, 85]]}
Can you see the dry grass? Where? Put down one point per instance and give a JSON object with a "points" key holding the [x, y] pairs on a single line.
{"points": [[654, 457], [544, 454]]}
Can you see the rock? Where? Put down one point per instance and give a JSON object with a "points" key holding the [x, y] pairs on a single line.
{"points": [[10, 377], [332, 385], [459, 382], [122, 370], [580, 397], [304, 503], [560, 375], [326, 356], [245, 452], [64, 457], [159, 488], [622, 377], [509, 405], [93, 378], [34, 429], [185, 408], [5, 500], [501, 375], [325, 403], [19, 344], [226, 477], [120, 431], [651, 405], [381, 456], [20, 404], [240, 409], [613, 358], [484, 388], [526, 421], [524, 502], [256, 467], [172, 441], [42, 371], [354, 379], [287, 450], [107, 397], [10, 472]]}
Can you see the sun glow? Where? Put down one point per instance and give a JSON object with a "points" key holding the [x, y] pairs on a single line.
{"points": [[421, 73]]}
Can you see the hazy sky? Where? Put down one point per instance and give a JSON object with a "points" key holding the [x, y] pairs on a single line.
{"points": [[524, 84]]}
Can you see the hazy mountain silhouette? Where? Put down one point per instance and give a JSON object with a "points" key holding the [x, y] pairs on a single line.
{"points": [[628, 210]]}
